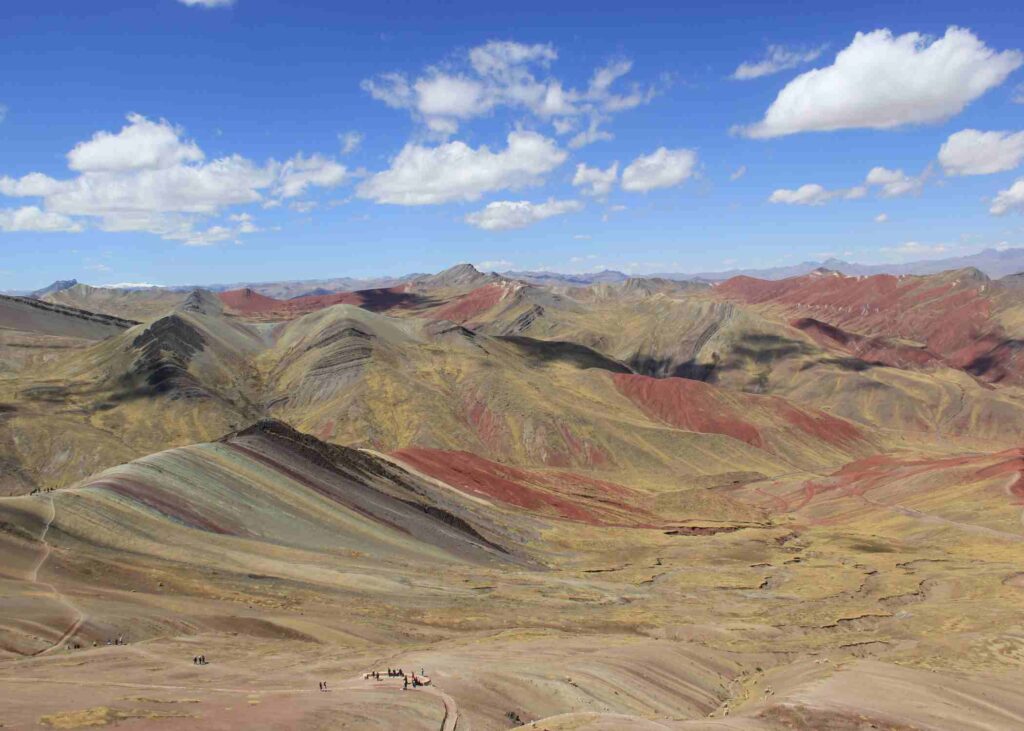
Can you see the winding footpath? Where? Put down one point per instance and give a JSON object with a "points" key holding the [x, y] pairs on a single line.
{"points": [[33, 577]]}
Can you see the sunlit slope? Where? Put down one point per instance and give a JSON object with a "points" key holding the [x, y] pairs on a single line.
{"points": [[134, 304], [267, 503], [975, 495], [183, 378], [707, 335], [959, 318], [351, 376]]}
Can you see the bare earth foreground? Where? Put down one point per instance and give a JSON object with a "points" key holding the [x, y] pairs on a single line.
{"points": [[553, 527]]}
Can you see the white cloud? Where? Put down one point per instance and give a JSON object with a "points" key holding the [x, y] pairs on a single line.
{"points": [[140, 145], [810, 194], [778, 58], [972, 152], [245, 222], [499, 58], [582, 237], [513, 75], [1011, 199], [350, 141], [917, 250], [31, 218], [495, 265], [504, 215], [97, 267], [300, 173], [881, 218], [813, 194], [207, 4], [1018, 94], [595, 181], [894, 183], [208, 237], [738, 173], [891, 184], [131, 285], [29, 186], [593, 133], [663, 168], [453, 171], [147, 178], [881, 81], [451, 96]]}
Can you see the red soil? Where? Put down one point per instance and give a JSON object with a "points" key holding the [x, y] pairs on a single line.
{"points": [[562, 494], [248, 302], [473, 304], [690, 405], [873, 350], [950, 313], [700, 407], [881, 472]]}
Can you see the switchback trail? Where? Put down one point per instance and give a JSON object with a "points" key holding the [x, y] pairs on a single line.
{"points": [[33, 577]]}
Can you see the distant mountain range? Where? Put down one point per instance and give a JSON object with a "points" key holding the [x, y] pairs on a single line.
{"points": [[995, 263]]}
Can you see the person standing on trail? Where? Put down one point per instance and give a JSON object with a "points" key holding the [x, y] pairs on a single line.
{"points": [[405, 683]]}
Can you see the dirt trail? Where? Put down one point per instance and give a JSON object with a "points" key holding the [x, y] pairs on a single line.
{"points": [[33, 577], [451, 708]]}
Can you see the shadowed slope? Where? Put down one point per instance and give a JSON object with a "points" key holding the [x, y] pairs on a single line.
{"points": [[35, 316]]}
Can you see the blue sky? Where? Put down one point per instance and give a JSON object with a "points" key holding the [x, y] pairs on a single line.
{"points": [[259, 140]]}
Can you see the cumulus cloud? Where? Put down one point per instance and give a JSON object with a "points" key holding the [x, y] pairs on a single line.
{"points": [[208, 3], [663, 168], [350, 141], [972, 152], [454, 171], [881, 218], [1011, 199], [513, 75], [504, 215], [813, 194], [777, 58], [881, 81], [146, 177], [894, 183], [595, 181], [300, 173], [889, 183], [31, 218], [140, 145]]}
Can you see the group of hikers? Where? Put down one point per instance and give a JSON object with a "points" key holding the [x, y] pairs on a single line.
{"points": [[323, 686], [199, 660], [407, 680], [119, 640]]}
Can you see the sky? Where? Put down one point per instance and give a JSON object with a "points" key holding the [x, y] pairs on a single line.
{"points": [[209, 141]]}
